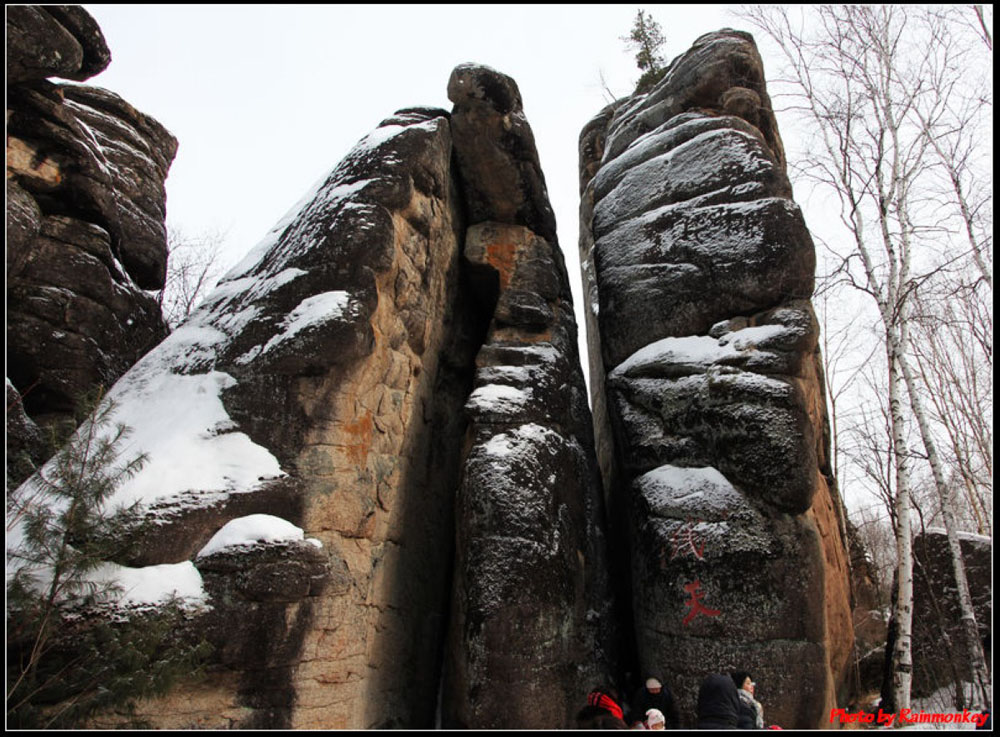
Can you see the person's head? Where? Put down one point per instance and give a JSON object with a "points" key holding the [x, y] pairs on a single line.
{"points": [[742, 680], [606, 688], [655, 719], [653, 685], [718, 699]]}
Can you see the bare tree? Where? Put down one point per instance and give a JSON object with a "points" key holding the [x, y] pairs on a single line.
{"points": [[875, 531], [859, 75], [954, 359], [193, 268]]}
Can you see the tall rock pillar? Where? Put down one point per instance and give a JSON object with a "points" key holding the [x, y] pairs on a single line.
{"points": [[529, 552], [707, 384]]}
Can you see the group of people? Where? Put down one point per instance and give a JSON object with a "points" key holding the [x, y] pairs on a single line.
{"points": [[724, 702]]}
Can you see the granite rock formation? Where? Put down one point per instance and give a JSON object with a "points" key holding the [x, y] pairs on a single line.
{"points": [[393, 374], [708, 400], [394, 371], [529, 559], [870, 616], [85, 215], [936, 612]]}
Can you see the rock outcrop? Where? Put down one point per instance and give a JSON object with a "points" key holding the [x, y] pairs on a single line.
{"points": [[870, 616], [85, 215], [939, 639], [394, 371], [529, 558], [329, 353], [391, 381], [711, 429]]}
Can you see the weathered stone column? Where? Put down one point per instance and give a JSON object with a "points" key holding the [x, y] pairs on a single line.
{"points": [[708, 392], [530, 582]]}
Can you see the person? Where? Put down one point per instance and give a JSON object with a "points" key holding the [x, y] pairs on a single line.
{"points": [[718, 703], [606, 698], [655, 719], [653, 695], [595, 717], [751, 715]]}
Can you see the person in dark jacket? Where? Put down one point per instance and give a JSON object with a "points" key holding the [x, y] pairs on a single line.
{"points": [[751, 714], [654, 695], [718, 703]]}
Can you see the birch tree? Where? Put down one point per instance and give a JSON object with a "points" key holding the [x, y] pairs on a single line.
{"points": [[878, 86]]}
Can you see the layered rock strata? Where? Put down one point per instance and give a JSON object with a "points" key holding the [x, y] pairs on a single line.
{"points": [[529, 555], [85, 215], [419, 414], [707, 386]]}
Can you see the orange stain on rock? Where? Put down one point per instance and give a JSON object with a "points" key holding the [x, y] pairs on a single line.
{"points": [[502, 256], [359, 438]]}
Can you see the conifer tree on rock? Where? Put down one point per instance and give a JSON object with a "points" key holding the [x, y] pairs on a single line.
{"points": [[646, 39]]}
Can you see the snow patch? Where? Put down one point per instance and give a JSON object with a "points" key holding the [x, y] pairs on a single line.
{"points": [[253, 529], [498, 398], [963, 535], [673, 491], [311, 312], [152, 585], [190, 454], [516, 442], [699, 352]]}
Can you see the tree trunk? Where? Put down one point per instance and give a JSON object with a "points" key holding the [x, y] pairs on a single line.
{"points": [[902, 659], [974, 653]]}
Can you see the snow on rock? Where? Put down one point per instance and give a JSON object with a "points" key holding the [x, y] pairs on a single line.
{"points": [[498, 398], [250, 530], [153, 585], [697, 352], [672, 491], [312, 311], [708, 162], [519, 443], [180, 423], [702, 503], [963, 535]]}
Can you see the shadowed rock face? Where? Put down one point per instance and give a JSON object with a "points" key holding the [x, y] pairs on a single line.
{"points": [[936, 608], [707, 396], [398, 360], [85, 215], [530, 605]]}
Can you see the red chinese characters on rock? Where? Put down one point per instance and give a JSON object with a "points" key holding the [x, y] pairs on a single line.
{"points": [[694, 603], [684, 542]]}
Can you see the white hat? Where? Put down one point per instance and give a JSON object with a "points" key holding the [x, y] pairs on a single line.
{"points": [[653, 683], [654, 716]]}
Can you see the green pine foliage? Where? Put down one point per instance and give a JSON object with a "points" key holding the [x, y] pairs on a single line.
{"points": [[649, 80], [646, 39], [68, 656]]}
